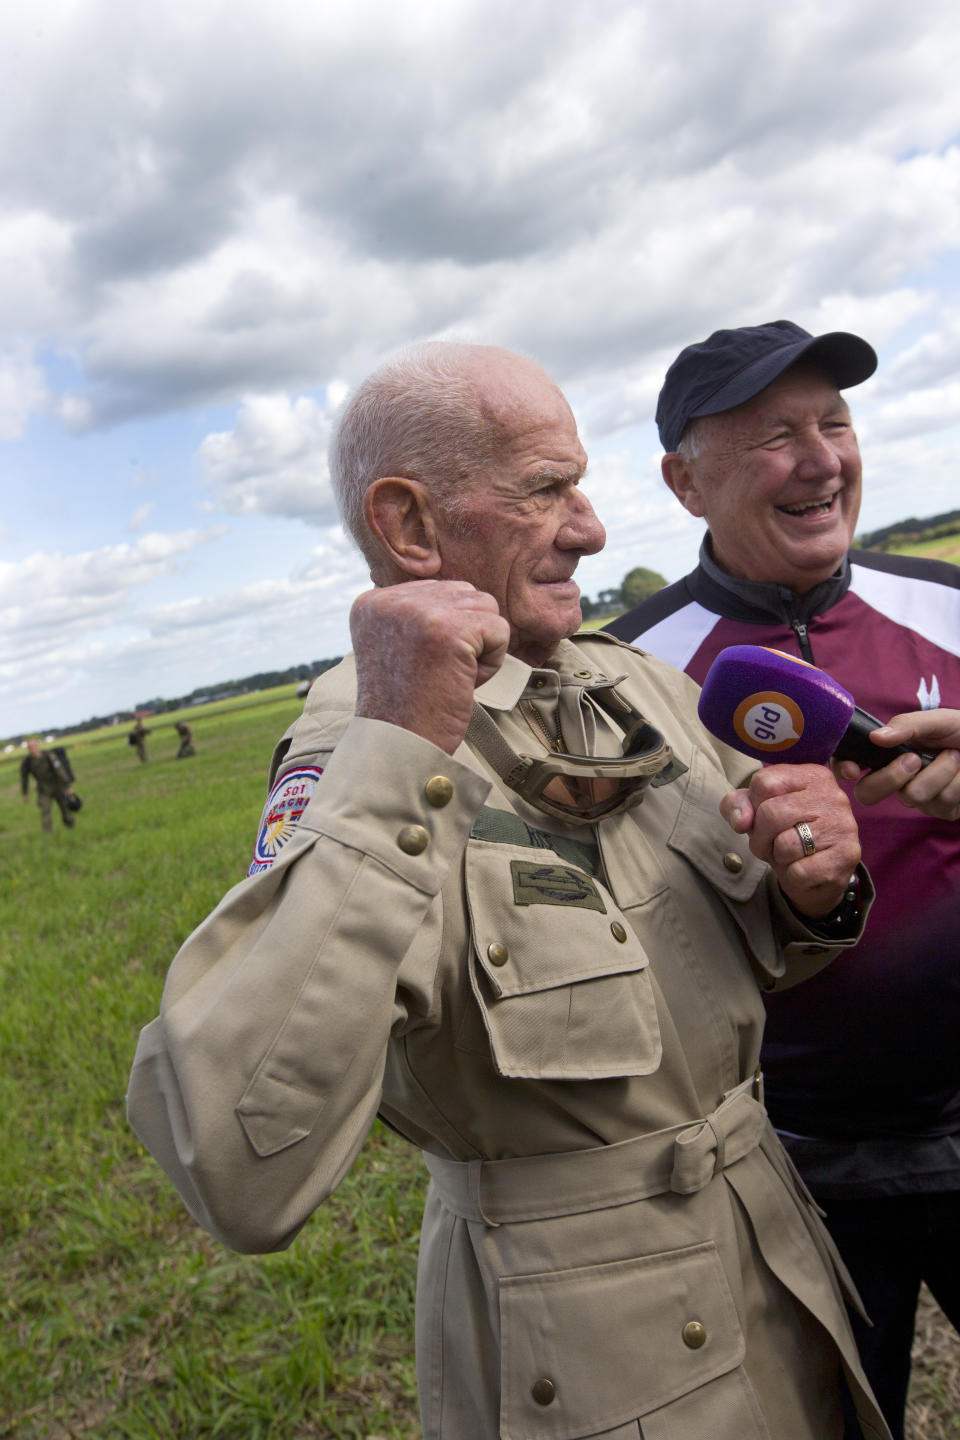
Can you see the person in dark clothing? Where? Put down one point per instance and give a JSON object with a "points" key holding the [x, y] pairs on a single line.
{"points": [[186, 739], [53, 780], [862, 1064], [138, 737]]}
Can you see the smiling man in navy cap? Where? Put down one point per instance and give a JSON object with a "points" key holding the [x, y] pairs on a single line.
{"points": [[862, 1064]]}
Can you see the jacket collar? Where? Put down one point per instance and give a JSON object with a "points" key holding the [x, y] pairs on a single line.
{"points": [[755, 600], [567, 664]]}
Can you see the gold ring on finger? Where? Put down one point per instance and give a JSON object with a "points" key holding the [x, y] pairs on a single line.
{"points": [[806, 838]]}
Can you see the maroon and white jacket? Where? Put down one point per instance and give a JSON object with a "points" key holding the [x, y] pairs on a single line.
{"points": [[867, 1052]]}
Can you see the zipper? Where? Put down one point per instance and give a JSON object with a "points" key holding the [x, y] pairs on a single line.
{"points": [[803, 640], [538, 725]]}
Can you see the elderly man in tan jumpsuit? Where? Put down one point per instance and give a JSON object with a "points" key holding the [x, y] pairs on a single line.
{"points": [[507, 892]]}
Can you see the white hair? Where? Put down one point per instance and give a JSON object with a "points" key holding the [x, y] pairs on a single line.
{"points": [[695, 438], [420, 415]]}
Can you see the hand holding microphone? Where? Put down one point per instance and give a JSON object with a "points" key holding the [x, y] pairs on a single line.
{"points": [[799, 821], [778, 708], [933, 787]]}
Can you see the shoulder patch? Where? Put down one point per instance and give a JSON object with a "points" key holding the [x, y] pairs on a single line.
{"points": [[285, 804]]}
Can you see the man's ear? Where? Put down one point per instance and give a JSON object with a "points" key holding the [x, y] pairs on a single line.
{"points": [[399, 512], [678, 473]]}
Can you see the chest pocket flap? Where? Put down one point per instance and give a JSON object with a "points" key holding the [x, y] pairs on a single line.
{"points": [[561, 979]]}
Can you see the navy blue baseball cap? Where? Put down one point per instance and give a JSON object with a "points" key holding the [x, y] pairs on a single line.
{"points": [[734, 365]]}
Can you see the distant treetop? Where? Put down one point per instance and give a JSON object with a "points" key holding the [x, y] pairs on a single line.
{"points": [[639, 584]]}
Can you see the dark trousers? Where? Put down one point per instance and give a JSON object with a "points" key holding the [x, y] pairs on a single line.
{"points": [[890, 1244], [46, 803]]}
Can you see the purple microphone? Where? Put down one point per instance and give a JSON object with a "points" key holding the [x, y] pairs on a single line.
{"points": [[778, 708]]}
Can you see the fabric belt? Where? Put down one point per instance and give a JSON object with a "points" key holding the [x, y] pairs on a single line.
{"points": [[681, 1160]]}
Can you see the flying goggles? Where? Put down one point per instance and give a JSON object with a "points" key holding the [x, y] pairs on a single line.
{"points": [[579, 787]]}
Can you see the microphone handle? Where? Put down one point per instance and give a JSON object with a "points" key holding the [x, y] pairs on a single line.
{"points": [[856, 744]]}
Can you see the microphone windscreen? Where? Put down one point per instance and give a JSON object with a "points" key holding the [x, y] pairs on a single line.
{"points": [[774, 706]]}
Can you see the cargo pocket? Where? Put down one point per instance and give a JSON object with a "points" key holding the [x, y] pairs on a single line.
{"points": [[649, 1347], [561, 979]]}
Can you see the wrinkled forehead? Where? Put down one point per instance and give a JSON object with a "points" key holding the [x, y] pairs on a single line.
{"points": [[526, 413], [512, 388]]}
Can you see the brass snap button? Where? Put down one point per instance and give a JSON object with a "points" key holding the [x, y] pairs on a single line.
{"points": [[733, 862], [618, 931], [413, 839], [439, 791], [694, 1334], [544, 1392], [497, 954]]}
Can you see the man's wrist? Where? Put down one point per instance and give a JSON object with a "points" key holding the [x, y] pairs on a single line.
{"points": [[840, 923]]}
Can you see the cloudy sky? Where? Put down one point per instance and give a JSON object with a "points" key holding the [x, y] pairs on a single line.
{"points": [[215, 219]]}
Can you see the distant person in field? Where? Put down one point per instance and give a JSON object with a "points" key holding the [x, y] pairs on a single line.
{"points": [[504, 892], [185, 733], [862, 1064], [138, 738], [54, 781]]}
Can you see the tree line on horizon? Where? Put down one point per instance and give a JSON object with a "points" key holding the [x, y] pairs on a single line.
{"points": [[909, 532]]}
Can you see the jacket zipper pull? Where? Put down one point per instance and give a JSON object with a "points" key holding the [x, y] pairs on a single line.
{"points": [[800, 630]]}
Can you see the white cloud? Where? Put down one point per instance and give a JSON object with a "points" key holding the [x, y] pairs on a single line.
{"points": [[87, 618], [209, 225], [274, 461], [919, 412], [259, 612], [229, 207], [34, 248], [645, 524], [932, 359], [141, 515], [22, 391], [75, 412], [890, 476], [48, 599]]}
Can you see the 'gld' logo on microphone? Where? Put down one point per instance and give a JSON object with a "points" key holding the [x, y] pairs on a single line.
{"points": [[768, 720]]}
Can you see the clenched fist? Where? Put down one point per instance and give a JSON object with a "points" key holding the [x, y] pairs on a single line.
{"points": [[422, 648]]}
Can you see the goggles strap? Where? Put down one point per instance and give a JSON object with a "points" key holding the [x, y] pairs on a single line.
{"points": [[482, 732], [578, 731]]}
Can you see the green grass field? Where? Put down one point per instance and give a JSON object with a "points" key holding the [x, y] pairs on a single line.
{"points": [[946, 547], [119, 1316]]}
